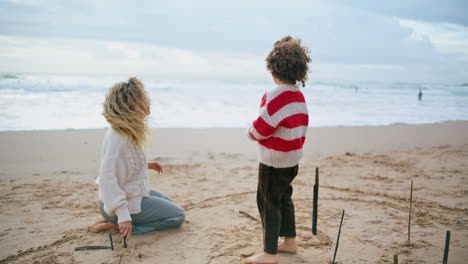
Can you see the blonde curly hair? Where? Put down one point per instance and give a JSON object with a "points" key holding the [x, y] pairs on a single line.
{"points": [[126, 108]]}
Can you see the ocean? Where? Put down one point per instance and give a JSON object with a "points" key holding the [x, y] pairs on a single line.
{"points": [[57, 102]]}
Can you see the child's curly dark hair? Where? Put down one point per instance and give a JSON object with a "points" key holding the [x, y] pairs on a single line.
{"points": [[288, 60]]}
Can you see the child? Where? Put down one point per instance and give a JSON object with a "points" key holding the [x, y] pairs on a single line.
{"points": [[125, 199], [280, 131]]}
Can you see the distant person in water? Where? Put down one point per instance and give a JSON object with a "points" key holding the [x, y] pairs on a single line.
{"points": [[126, 201], [420, 94]]}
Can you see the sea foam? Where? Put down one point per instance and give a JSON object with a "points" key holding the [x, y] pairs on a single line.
{"points": [[45, 102]]}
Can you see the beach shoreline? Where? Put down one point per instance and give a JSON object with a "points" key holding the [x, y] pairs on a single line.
{"points": [[49, 196]]}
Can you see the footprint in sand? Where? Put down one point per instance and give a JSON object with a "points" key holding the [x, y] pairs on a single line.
{"points": [[374, 222]]}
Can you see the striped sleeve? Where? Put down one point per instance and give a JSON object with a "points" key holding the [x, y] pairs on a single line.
{"points": [[260, 128]]}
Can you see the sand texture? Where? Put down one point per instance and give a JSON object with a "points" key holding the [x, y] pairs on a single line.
{"points": [[48, 196]]}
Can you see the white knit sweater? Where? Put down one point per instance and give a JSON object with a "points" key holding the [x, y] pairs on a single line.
{"points": [[123, 179]]}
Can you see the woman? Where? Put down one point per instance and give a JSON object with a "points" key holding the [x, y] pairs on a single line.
{"points": [[125, 199]]}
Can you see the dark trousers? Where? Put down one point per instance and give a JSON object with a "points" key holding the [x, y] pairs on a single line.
{"points": [[275, 204]]}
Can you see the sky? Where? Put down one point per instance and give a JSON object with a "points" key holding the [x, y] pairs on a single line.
{"points": [[360, 40]]}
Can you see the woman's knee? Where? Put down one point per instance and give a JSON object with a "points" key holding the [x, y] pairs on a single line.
{"points": [[182, 217], [159, 194], [179, 220]]}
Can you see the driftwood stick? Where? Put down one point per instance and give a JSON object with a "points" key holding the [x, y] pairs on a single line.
{"points": [[315, 202], [97, 247], [91, 248], [410, 207], [338, 238], [447, 245], [248, 215]]}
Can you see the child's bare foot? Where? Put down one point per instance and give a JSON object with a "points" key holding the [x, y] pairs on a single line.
{"points": [[289, 245], [263, 258], [103, 226]]}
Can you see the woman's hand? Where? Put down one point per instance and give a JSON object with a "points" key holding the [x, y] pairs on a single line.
{"points": [[125, 229], [155, 166]]}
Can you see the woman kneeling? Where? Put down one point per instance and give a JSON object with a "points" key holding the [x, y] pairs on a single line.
{"points": [[126, 200]]}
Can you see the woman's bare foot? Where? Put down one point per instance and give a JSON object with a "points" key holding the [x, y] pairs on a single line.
{"points": [[263, 258], [289, 245], [102, 220], [103, 226]]}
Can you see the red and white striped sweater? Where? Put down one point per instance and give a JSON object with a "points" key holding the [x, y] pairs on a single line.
{"points": [[281, 127]]}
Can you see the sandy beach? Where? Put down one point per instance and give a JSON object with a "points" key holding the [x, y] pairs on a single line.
{"points": [[49, 199]]}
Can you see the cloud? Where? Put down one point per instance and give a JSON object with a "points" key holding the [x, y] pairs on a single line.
{"points": [[209, 38], [62, 55], [335, 33], [110, 58], [447, 38], [435, 11]]}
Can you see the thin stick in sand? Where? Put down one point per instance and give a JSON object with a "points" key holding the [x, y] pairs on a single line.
{"points": [[410, 205], [111, 243], [315, 202], [447, 245], [338, 238]]}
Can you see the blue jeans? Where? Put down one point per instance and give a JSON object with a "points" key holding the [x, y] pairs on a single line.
{"points": [[158, 212]]}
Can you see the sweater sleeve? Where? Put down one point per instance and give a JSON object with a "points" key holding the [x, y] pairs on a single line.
{"points": [[112, 178], [265, 125]]}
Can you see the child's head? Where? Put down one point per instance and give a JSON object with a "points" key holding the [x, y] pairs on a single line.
{"points": [[126, 107], [288, 60]]}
